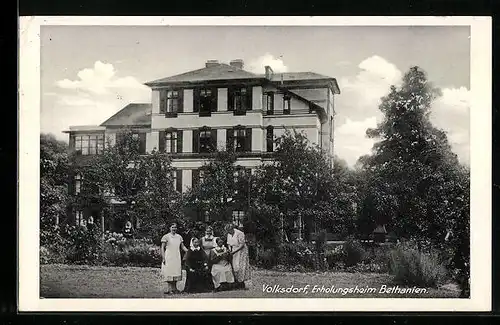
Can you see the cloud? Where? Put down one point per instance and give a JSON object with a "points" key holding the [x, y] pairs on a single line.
{"points": [[258, 65], [357, 110], [94, 95]]}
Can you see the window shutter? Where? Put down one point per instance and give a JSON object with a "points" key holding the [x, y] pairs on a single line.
{"points": [[213, 137], [161, 141], [248, 140], [179, 141], [196, 141], [249, 98], [178, 185], [230, 99], [163, 101], [196, 100], [142, 143], [229, 139], [196, 177], [214, 100], [181, 101]]}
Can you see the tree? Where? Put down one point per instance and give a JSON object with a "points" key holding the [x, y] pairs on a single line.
{"points": [[53, 180], [301, 185], [413, 177], [145, 183], [220, 188]]}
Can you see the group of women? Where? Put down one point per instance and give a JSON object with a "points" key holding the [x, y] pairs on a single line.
{"points": [[211, 264]]}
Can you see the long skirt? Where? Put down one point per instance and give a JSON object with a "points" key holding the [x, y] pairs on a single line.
{"points": [[241, 265], [198, 281], [222, 273]]}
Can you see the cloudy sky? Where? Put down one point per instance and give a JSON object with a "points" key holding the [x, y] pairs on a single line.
{"points": [[89, 73]]}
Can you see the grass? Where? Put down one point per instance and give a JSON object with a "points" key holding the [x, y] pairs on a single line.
{"points": [[68, 281]]}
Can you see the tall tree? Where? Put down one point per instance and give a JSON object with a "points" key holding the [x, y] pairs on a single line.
{"points": [[412, 170], [301, 184], [53, 179]]}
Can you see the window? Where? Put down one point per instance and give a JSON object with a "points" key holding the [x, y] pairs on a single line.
{"points": [[269, 103], [78, 183], [89, 144], [205, 101], [286, 104], [238, 217], [79, 218], [170, 141], [201, 175], [270, 139], [240, 100], [239, 139], [205, 141], [171, 102]]}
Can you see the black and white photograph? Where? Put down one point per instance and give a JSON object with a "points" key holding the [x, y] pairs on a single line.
{"points": [[291, 162]]}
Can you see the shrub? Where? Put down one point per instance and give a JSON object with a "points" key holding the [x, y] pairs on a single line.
{"points": [[297, 253], [353, 252], [413, 267], [378, 257], [266, 258], [335, 257], [84, 245]]}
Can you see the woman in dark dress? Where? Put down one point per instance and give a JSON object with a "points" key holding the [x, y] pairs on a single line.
{"points": [[198, 275]]}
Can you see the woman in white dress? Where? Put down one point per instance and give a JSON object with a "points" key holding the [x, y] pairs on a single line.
{"points": [[171, 268], [239, 255], [222, 275]]}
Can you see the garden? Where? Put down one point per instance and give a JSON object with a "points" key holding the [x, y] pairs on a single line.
{"points": [[412, 185]]}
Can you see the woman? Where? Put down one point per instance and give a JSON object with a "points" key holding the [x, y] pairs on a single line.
{"points": [[171, 268], [208, 241], [222, 275], [198, 276], [239, 255]]}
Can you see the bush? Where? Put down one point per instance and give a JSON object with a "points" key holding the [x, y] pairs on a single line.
{"points": [[84, 245], [353, 252], [378, 257], [266, 258], [131, 252], [297, 253], [335, 257], [412, 267]]}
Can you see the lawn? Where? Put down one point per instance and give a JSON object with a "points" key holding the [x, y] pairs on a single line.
{"points": [[66, 281]]}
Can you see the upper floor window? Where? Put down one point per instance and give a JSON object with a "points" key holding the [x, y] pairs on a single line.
{"points": [[89, 144], [239, 139], [171, 102], [205, 101], [204, 140], [270, 139], [269, 102], [239, 100], [176, 176], [287, 101], [198, 176], [170, 141]]}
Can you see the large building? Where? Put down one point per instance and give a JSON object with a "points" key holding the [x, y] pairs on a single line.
{"points": [[219, 106]]}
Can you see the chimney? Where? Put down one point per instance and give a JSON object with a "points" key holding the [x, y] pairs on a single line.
{"points": [[269, 72], [211, 63], [237, 63]]}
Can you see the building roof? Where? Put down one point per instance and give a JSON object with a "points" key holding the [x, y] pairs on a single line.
{"points": [[292, 76], [220, 71], [133, 114]]}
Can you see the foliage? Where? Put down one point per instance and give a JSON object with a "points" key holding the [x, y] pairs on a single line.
{"points": [[84, 245], [301, 181], [266, 258], [53, 180], [219, 189], [413, 267], [131, 252], [353, 252]]}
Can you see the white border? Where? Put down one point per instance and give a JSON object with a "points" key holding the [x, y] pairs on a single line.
{"points": [[29, 127]]}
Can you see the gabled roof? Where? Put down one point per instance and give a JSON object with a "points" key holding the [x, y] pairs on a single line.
{"points": [[135, 114], [220, 71]]}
